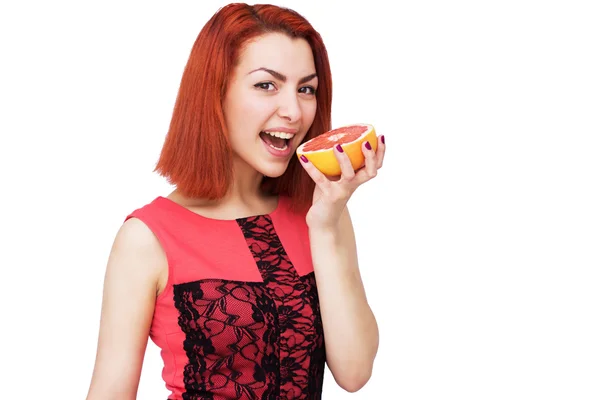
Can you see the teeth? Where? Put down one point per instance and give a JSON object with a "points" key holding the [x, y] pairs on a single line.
{"points": [[279, 148], [281, 135]]}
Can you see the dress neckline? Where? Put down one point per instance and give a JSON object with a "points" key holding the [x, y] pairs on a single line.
{"points": [[172, 205]]}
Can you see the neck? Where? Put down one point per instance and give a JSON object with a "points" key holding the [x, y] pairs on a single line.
{"points": [[246, 184], [244, 193]]}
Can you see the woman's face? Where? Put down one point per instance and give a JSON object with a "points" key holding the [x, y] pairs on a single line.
{"points": [[272, 90]]}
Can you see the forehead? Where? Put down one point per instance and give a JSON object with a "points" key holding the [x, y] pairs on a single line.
{"points": [[278, 52]]}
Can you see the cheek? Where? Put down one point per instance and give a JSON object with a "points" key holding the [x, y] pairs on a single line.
{"points": [[244, 108], [248, 107], [255, 113], [309, 111]]}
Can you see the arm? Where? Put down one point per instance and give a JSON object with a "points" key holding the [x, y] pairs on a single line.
{"points": [[350, 328], [351, 333], [129, 295]]}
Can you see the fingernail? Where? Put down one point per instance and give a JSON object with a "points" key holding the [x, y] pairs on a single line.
{"points": [[382, 139], [303, 158], [368, 145], [339, 148]]}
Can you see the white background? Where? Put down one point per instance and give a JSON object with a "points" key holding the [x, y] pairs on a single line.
{"points": [[479, 241]]}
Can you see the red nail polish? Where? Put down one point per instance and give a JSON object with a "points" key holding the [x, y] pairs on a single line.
{"points": [[368, 145], [303, 158], [339, 148], [382, 139]]}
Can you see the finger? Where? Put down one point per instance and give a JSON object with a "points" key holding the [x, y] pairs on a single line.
{"points": [[380, 151], [371, 160], [316, 175], [369, 171], [345, 163]]}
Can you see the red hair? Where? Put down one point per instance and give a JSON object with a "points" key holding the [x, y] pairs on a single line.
{"points": [[196, 156]]}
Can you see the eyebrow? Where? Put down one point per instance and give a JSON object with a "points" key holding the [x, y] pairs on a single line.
{"points": [[282, 77]]}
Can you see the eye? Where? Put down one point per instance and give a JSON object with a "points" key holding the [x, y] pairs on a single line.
{"points": [[264, 86], [311, 90]]}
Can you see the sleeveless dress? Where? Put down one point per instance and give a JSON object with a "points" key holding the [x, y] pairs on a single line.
{"points": [[239, 317]]}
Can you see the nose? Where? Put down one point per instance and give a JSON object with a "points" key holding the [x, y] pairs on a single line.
{"points": [[289, 106]]}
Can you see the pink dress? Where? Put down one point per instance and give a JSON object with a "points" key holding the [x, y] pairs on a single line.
{"points": [[239, 317]]}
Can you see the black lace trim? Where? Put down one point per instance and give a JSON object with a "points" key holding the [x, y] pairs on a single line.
{"points": [[253, 340]]}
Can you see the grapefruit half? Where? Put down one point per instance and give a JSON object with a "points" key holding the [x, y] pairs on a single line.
{"points": [[320, 150]]}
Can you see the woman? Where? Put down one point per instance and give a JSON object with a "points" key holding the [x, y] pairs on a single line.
{"points": [[248, 268]]}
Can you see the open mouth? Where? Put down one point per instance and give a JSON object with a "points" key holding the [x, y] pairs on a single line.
{"points": [[277, 140]]}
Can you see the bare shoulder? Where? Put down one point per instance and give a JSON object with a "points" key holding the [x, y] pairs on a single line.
{"points": [[134, 235], [129, 295], [137, 250]]}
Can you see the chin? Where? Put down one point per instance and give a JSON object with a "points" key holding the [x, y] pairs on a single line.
{"points": [[273, 171]]}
